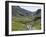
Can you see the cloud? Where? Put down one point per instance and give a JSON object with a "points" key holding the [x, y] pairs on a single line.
{"points": [[31, 8]]}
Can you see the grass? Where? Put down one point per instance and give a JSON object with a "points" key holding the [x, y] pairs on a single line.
{"points": [[37, 25], [19, 23]]}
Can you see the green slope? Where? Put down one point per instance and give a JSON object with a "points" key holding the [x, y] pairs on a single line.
{"points": [[19, 23]]}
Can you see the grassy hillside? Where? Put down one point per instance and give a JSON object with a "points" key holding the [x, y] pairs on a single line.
{"points": [[19, 23]]}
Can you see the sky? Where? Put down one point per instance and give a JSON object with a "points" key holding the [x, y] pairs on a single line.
{"points": [[31, 8]]}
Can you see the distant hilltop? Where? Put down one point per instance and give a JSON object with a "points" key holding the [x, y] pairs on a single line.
{"points": [[18, 11]]}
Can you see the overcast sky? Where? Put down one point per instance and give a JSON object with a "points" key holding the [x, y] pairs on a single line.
{"points": [[31, 8]]}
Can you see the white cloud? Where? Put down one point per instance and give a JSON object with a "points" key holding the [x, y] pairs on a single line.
{"points": [[31, 8]]}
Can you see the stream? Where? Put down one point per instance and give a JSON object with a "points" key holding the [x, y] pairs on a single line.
{"points": [[29, 27]]}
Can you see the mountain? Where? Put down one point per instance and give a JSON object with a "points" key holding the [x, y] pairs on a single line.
{"points": [[18, 11], [37, 13]]}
